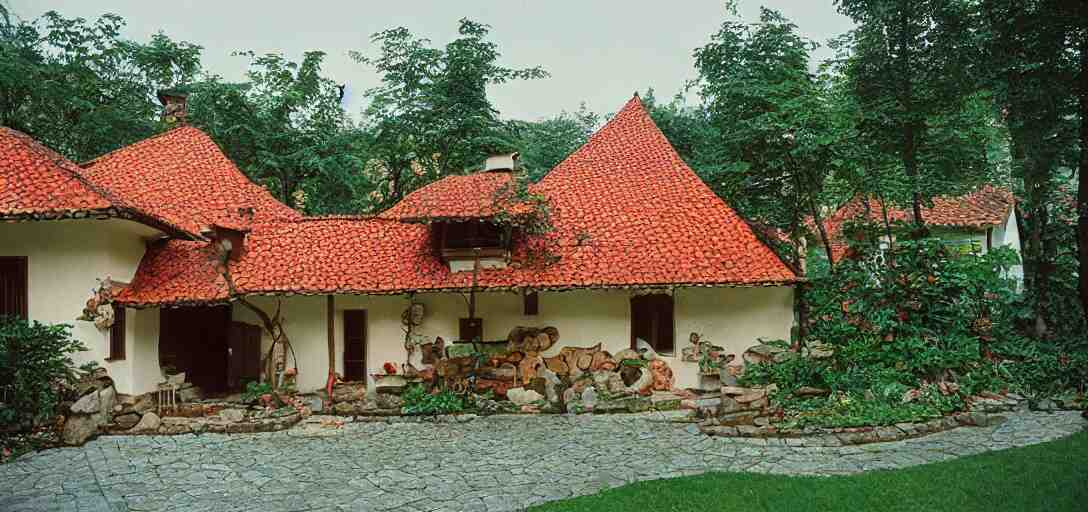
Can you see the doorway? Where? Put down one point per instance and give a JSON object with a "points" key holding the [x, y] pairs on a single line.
{"points": [[355, 345], [196, 340], [652, 322]]}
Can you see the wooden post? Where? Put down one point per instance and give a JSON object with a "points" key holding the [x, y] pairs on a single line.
{"points": [[331, 318]]}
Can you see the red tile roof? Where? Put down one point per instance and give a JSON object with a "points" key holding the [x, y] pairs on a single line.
{"points": [[177, 272], [627, 212], [182, 176], [986, 207], [38, 183], [457, 198], [37, 180]]}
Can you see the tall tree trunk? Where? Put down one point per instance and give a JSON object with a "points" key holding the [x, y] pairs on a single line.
{"points": [[1082, 177]]}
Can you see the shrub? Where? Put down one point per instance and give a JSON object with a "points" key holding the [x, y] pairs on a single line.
{"points": [[418, 402], [254, 390], [35, 365], [917, 312]]}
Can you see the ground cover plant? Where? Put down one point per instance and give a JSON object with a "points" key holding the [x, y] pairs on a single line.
{"points": [[1048, 476]]}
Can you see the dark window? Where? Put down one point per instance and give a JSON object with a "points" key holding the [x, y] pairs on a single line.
{"points": [[532, 303], [471, 329], [652, 320], [469, 235], [117, 335], [355, 344], [13, 286]]}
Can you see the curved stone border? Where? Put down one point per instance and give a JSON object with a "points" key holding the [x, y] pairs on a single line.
{"points": [[856, 435], [177, 425]]}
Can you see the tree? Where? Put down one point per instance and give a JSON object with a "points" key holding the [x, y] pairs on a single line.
{"points": [[911, 71], [286, 129], [1030, 65], [544, 144], [772, 123], [690, 132], [82, 89], [431, 115]]}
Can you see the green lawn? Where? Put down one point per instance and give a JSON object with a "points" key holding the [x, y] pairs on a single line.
{"points": [[1050, 476]]}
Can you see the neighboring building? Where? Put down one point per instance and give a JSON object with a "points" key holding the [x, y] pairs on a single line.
{"points": [[639, 248], [981, 220]]}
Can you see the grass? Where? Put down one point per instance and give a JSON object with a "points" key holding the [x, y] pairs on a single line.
{"points": [[1050, 476]]}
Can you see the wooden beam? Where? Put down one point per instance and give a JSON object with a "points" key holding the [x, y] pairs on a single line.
{"points": [[330, 310]]}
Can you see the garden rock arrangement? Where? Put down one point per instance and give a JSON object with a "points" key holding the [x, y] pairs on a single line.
{"points": [[747, 412]]}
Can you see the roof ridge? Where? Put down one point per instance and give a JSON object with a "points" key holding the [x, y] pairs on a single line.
{"points": [[85, 165]]}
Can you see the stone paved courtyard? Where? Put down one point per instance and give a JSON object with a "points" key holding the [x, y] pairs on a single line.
{"points": [[495, 463]]}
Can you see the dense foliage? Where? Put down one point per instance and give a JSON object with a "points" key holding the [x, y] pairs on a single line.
{"points": [[35, 365], [911, 328], [419, 402]]}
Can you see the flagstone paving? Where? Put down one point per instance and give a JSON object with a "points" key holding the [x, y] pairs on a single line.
{"points": [[486, 464]]}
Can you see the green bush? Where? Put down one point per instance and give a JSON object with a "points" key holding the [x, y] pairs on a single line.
{"points": [[254, 390], [919, 311], [35, 366], [418, 402]]}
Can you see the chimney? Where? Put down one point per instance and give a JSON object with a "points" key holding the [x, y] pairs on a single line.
{"points": [[506, 162], [175, 108]]}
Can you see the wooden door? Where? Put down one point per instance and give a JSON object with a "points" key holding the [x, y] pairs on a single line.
{"points": [[13, 286], [245, 355], [195, 340], [355, 344]]}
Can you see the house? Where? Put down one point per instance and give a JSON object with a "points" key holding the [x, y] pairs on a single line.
{"points": [[620, 245], [980, 220]]}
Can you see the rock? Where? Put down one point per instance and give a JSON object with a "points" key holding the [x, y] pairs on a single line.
{"points": [[747, 398], [762, 353], [665, 401], [522, 396], [349, 392], [589, 398], [738, 418], [728, 404], [89, 404], [107, 398], [811, 391], [610, 406], [189, 394], [344, 408], [638, 404], [79, 428], [385, 401], [148, 423], [735, 391], [127, 421], [232, 415]]}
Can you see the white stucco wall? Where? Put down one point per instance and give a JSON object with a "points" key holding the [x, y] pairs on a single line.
{"points": [[64, 259], [731, 317]]}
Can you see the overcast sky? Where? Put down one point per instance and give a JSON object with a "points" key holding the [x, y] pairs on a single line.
{"points": [[598, 52]]}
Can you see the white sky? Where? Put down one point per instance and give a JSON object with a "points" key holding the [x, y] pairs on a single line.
{"points": [[598, 52]]}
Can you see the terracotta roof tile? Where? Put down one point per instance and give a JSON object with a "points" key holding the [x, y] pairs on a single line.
{"points": [[37, 180], [986, 207], [626, 209], [182, 176], [474, 196], [177, 272], [38, 183]]}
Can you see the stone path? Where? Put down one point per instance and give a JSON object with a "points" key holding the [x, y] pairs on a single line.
{"points": [[496, 463]]}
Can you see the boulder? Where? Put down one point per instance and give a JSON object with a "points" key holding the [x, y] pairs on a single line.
{"points": [[78, 429], [232, 415], [811, 391], [522, 396], [189, 393], [89, 404], [148, 423], [127, 420], [764, 353]]}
